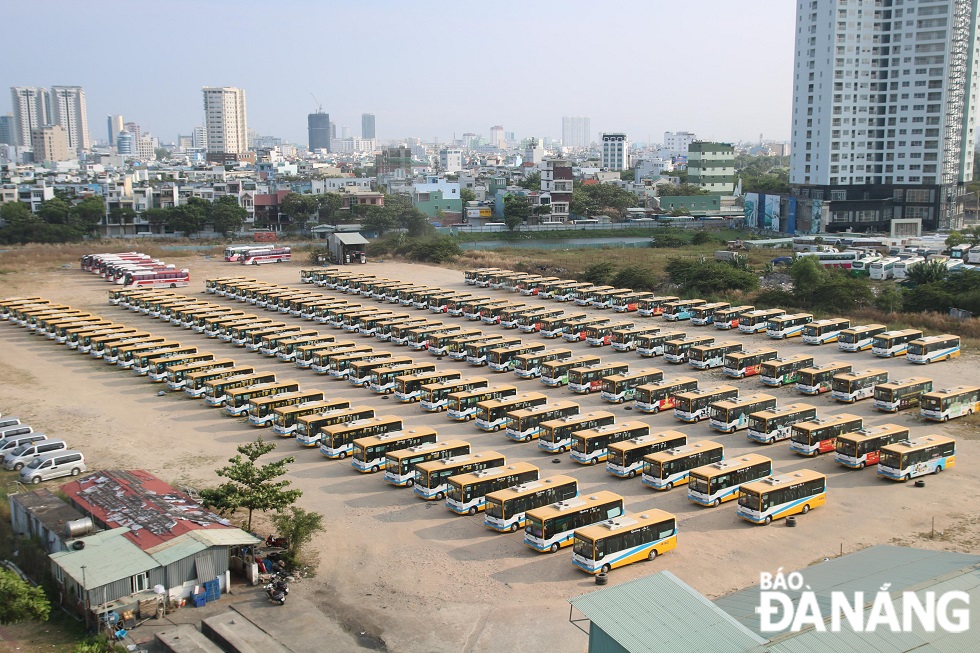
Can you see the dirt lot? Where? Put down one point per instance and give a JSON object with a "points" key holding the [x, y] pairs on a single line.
{"points": [[413, 572]]}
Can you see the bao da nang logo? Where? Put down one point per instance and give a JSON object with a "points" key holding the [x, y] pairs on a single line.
{"points": [[857, 611]]}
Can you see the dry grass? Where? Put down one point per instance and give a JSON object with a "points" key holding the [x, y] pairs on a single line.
{"points": [[928, 323], [44, 257]]}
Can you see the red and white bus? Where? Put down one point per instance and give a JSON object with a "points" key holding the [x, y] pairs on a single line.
{"points": [[265, 255], [157, 279]]}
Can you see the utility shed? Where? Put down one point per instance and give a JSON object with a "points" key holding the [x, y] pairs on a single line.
{"points": [[659, 613], [347, 247], [41, 514]]}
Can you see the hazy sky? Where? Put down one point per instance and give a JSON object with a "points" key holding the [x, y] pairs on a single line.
{"points": [[431, 69]]}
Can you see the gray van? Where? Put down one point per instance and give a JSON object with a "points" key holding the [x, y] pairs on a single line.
{"points": [[8, 444], [9, 421], [69, 462], [25, 453]]}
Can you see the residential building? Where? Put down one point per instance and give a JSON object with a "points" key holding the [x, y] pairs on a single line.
{"points": [[884, 111], [115, 125], [352, 144], [199, 138], [133, 128], [436, 196], [676, 143], [146, 146], [394, 159], [497, 136], [68, 109], [556, 181], [51, 144], [30, 111], [7, 130], [367, 125], [653, 167], [711, 166], [318, 126], [576, 131], [225, 120], [615, 152], [450, 160]]}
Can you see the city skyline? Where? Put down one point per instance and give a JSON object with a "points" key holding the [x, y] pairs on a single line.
{"points": [[734, 90]]}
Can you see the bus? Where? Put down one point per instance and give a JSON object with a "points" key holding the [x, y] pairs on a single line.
{"points": [[782, 495], [397, 334], [860, 338], [510, 317], [309, 428], [456, 346], [440, 341], [112, 347], [439, 302], [270, 344], [933, 348], [233, 252], [625, 458], [286, 418], [654, 306], [818, 379], [788, 326], [470, 276], [894, 343], [262, 410], [374, 325], [774, 424], [819, 435], [555, 435], [249, 336], [156, 278], [622, 387], [757, 321], [704, 314], [337, 440], [677, 351], [505, 509], [950, 403], [525, 424], [478, 353], [662, 470], [410, 387], [584, 296], [419, 339], [628, 339], [584, 380], [466, 493], [624, 540], [706, 357], [715, 483], [400, 464], [238, 400], [384, 380], [653, 344], [147, 360], [554, 327], [532, 321], [493, 314], [528, 366], [862, 448], [730, 318], [555, 373], [855, 386], [600, 335], [462, 406], [692, 406], [362, 372], [337, 362], [629, 302], [567, 292], [504, 359], [127, 355], [473, 308], [591, 446], [821, 332], [897, 395], [432, 477], [783, 371], [609, 299], [552, 527], [161, 369], [884, 268], [290, 347], [732, 415], [265, 255], [926, 455], [196, 382], [435, 396], [960, 251], [662, 395], [555, 289], [682, 309], [369, 452], [496, 414], [833, 259], [740, 364], [577, 330]]}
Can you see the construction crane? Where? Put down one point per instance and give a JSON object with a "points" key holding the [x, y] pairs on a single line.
{"points": [[319, 107]]}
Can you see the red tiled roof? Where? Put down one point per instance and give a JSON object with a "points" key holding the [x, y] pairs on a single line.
{"points": [[266, 199]]}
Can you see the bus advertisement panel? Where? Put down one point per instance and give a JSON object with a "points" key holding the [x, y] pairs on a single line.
{"points": [[466, 494], [505, 509], [309, 428], [525, 424], [369, 452], [862, 448], [756, 321], [820, 332], [629, 339], [435, 396], [783, 371], [384, 380], [529, 366], [622, 387], [770, 426], [733, 414], [663, 470], [600, 335], [653, 344], [625, 459], [591, 446], [927, 455], [704, 314], [819, 436], [577, 330], [712, 485], [819, 378], [504, 359], [239, 400], [432, 477], [692, 406], [410, 388], [623, 541], [706, 357], [898, 395], [552, 527], [741, 364], [855, 386], [933, 348], [950, 403], [555, 373], [860, 338], [775, 497], [653, 306], [682, 309], [787, 326], [285, 418], [662, 395], [400, 463], [894, 343], [462, 406], [584, 380], [262, 410], [729, 318], [555, 436], [337, 440], [496, 414], [676, 351]]}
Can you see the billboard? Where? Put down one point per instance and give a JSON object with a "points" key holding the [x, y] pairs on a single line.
{"points": [[478, 212], [751, 210], [769, 215]]}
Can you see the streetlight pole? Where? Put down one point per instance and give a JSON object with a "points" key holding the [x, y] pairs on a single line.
{"points": [[85, 594]]}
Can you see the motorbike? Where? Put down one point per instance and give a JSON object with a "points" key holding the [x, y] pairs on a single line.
{"points": [[277, 591], [275, 541]]}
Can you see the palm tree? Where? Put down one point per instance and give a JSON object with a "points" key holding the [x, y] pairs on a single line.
{"points": [[926, 272]]}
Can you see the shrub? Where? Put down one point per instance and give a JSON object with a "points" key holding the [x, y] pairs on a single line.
{"points": [[636, 277], [706, 277], [598, 273], [702, 238]]}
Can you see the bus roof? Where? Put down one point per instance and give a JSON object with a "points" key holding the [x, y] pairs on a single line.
{"points": [[728, 464], [777, 411], [608, 526], [919, 443], [458, 460], [504, 470], [818, 422], [860, 374], [556, 405], [426, 446], [869, 432], [613, 428], [683, 450], [781, 480], [741, 401], [575, 503]]}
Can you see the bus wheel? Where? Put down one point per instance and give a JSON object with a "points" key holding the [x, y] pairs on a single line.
{"points": [[440, 496], [861, 465], [593, 461], [255, 262], [605, 569], [374, 470], [496, 427], [652, 555], [938, 469], [656, 409], [716, 503], [906, 478], [513, 527], [562, 449], [669, 486], [552, 549], [410, 482], [343, 454], [772, 440], [173, 285], [471, 511], [527, 438], [632, 474], [768, 520], [806, 508]]}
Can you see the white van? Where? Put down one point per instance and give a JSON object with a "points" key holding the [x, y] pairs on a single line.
{"points": [[12, 440], [9, 421], [15, 460], [53, 465]]}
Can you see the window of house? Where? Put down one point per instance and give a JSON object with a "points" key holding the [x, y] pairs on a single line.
{"points": [[141, 582]]}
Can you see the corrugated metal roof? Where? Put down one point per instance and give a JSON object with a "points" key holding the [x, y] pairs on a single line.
{"points": [[108, 556], [225, 537], [351, 238], [176, 549], [661, 613]]}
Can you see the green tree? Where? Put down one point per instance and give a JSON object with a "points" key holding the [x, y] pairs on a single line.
{"points": [[708, 277], [680, 190], [161, 153], [54, 211], [953, 239], [188, 219], [531, 181], [890, 299], [926, 272], [636, 277], [972, 234], [20, 601], [598, 273], [87, 215], [467, 195], [17, 213], [226, 215], [517, 209], [122, 215], [298, 526], [808, 275], [251, 486], [628, 175], [158, 218], [379, 220], [599, 199], [328, 208], [929, 297], [701, 238], [299, 208]]}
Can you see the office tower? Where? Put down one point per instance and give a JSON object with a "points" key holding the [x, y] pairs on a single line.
{"points": [[615, 152], [68, 110], [676, 143], [333, 129], [575, 131], [51, 144], [318, 125], [367, 125], [133, 129], [711, 166], [224, 117], [7, 132], [884, 111], [497, 136], [125, 143], [394, 159], [30, 112], [200, 138], [115, 125]]}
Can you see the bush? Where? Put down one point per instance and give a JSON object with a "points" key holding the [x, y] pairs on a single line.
{"points": [[668, 241], [702, 238], [705, 277], [598, 273], [636, 277], [774, 298], [427, 249]]}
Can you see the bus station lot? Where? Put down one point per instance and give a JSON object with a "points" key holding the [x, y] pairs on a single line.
{"points": [[423, 578]]}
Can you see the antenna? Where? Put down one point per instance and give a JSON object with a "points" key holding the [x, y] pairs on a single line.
{"points": [[319, 107]]}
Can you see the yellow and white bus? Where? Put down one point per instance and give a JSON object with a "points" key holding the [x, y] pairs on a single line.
{"points": [[577, 330], [496, 414], [662, 395], [532, 321], [730, 318], [505, 510], [528, 366], [676, 351], [385, 379], [607, 299], [110, 348], [894, 343], [625, 458], [434, 397], [731, 415], [855, 386], [629, 302], [682, 309], [950, 403], [552, 527], [270, 345], [363, 373], [584, 380], [504, 359], [859, 338], [653, 306], [600, 335], [624, 540], [787, 326], [898, 395], [318, 358], [336, 362], [555, 435], [622, 387], [478, 353], [309, 428], [386, 329], [262, 410], [663, 470], [440, 341], [783, 371], [555, 373], [238, 400], [591, 446], [466, 494], [525, 424], [471, 276], [706, 357], [290, 347], [933, 348], [456, 346], [127, 355], [410, 387], [862, 448], [286, 418], [337, 440], [462, 406], [148, 360], [818, 436], [195, 383], [400, 464], [782, 495], [774, 424], [704, 314], [628, 339], [713, 484], [820, 332], [161, 369], [741, 364], [926, 455], [692, 406], [369, 452], [432, 477], [757, 321], [818, 379]]}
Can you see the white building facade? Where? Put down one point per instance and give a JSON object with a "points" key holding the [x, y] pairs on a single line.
{"points": [[450, 160], [30, 112], [225, 120], [68, 109], [676, 143], [576, 131], [615, 152]]}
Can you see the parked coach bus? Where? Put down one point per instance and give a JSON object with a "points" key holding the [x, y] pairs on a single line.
{"points": [[731, 415], [682, 309], [713, 484], [774, 424], [583, 380], [787, 326], [591, 446], [693, 406], [820, 332], [862, 448], [819, 436], [400, 464], [741, 364], [663, 470], [462, 406], [369, 452], [555, 373], [855, 386], [337, 440], [529, 366], [552, 527], [525, 424], [624, 540], [618, 388], [435, 396], [286, 418], [432, 477], [628, 339], [927, 455], [775, 497], [757, 321], [894, 343], [819, 378], [662, 395], [654, 343], [676, 351], [625, 458], [950, 403], [933, 348], [555, 435], [466, 494], [653, 306], [897, 395], [496, 414], [505, 510], [859, 338], [704, 314], [783, 371], [309, 428], [706, 357], [730, 318]]}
